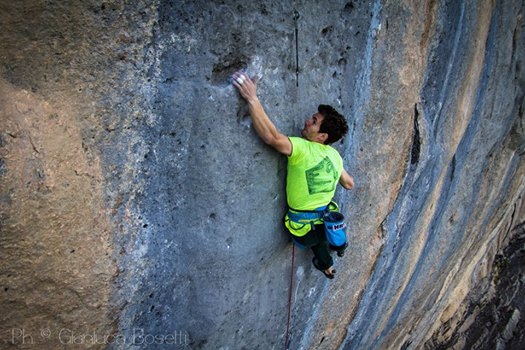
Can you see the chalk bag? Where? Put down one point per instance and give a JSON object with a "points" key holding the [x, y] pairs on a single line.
{"points": [[335, 228]]}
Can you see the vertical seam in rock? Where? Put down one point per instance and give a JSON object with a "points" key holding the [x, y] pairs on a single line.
{"points": [[416, 140], [296, 16], [452, 167]]}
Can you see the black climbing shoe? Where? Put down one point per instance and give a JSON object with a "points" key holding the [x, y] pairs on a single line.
{"points": [[327, 275]]}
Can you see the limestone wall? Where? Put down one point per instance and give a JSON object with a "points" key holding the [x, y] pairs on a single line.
{"points": [[140, 210]]}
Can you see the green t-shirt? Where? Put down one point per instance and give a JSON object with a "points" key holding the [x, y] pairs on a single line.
{"points": [[314, 170]]}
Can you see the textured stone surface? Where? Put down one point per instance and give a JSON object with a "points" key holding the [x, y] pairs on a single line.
{"points": [[137, 200], [492, 318], [64, 92]]}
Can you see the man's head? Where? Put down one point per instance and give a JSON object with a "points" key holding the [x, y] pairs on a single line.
{"points": [[326, 126]]}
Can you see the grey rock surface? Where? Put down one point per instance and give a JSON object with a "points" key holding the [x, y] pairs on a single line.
{"points": [[138, 204]]}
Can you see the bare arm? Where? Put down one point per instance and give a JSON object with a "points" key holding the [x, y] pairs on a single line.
{"points": [[346, 180], [262, 124]]}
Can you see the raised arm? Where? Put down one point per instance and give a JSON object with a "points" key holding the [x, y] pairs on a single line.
{"points": [[346, 180], [262, 124]]}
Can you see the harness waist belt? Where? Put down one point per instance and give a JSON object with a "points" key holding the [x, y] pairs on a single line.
{"points": [[306, 216]]}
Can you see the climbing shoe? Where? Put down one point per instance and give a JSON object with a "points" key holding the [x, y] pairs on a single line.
{"points": [[327, 275]]}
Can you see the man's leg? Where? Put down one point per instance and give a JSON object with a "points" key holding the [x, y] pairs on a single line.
{"points": [[316, 239], [320, 250]]}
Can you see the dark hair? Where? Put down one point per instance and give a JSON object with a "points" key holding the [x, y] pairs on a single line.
{"points": [[334, 124]]}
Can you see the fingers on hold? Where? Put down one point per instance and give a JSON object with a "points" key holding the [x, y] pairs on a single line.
{"points": [[235, 82], [243, 77]]}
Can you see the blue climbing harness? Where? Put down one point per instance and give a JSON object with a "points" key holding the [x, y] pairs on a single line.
{"points": [[334, 221]]}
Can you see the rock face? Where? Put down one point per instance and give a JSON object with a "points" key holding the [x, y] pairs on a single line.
{"points": [[140, 210], [491, 319]]}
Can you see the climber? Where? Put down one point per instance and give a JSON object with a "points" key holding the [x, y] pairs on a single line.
{"points": [[314, 168]]}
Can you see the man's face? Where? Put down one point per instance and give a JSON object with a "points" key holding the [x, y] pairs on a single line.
{"points": [[311, 128]]}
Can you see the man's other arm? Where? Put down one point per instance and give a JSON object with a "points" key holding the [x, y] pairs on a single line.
{"points": [[262, 124], [346, 180]]}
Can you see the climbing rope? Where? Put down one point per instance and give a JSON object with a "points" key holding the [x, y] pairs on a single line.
{"points": [[286, 345]]}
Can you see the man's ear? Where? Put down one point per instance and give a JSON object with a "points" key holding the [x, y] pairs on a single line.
{"points": [[322, 137]]}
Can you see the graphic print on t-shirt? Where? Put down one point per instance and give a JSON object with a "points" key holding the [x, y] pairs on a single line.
{"points": [[322, 177]]}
